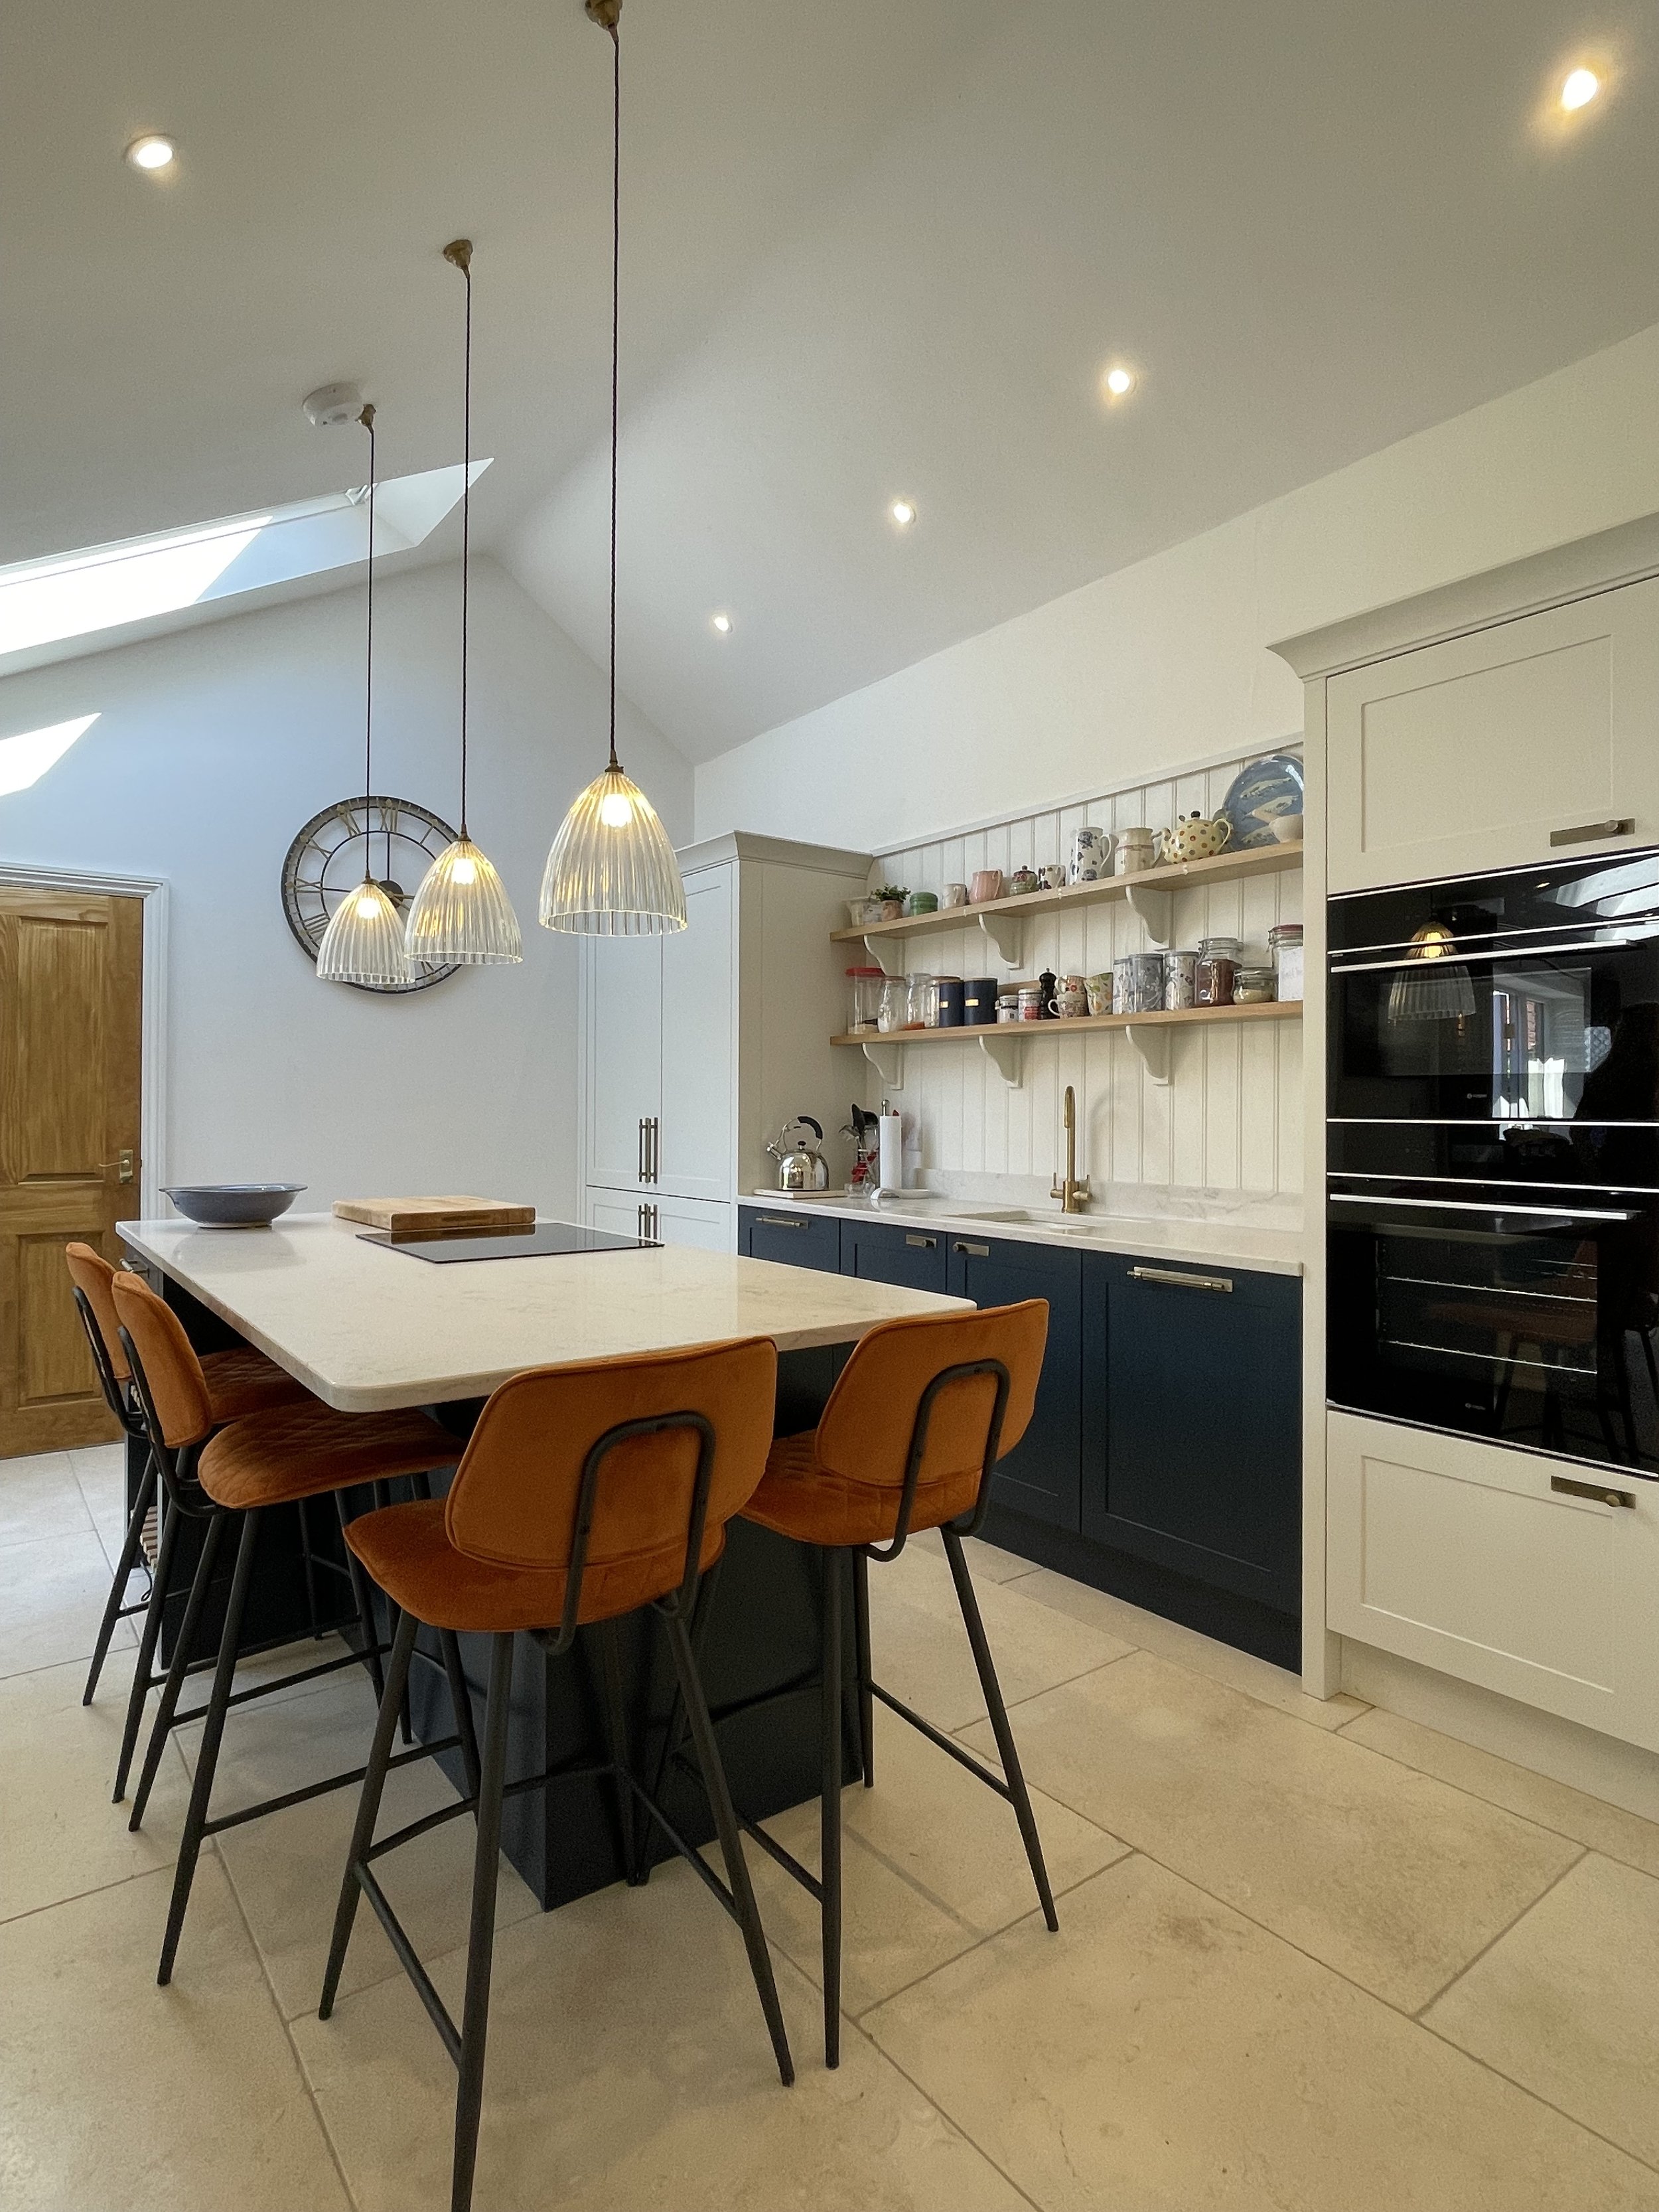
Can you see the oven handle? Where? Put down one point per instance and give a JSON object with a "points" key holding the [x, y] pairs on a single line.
{"points": [[1454, 959], [1480, 1205]]}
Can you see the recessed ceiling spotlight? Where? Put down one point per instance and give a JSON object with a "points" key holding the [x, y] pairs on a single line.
{"points": [[1580, 88], [1119, 381], [722, 622], [152, 153], [904, 512]]}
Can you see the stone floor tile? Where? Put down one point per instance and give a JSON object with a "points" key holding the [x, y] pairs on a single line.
{"points": [[53, 1593], [101, 1473], [40, 1497], [1165, 2055], [989, 1562]]}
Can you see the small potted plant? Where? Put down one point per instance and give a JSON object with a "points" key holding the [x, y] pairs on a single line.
{"points": [[890, 898]]}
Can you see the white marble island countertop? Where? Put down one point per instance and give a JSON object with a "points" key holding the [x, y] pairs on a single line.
{"points": [[1187, 1238], [368, 1328]]}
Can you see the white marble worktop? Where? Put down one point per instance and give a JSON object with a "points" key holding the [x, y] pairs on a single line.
{"points": [[1183, 1238], [366, 1328]]}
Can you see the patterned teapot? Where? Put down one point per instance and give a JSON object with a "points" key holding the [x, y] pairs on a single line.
{"points": [[1193, 838]]}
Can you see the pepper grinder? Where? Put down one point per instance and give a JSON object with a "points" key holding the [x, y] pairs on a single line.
{"points": [[1046, 984]]}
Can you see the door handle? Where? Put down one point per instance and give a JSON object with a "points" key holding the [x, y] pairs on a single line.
{"points": [[783, 1221], [922, 1244], [652, 1128], [122, 1165], [1623, 827], [639, 1156], [1598, 1492], [972, 1251], [1178, 1280]]}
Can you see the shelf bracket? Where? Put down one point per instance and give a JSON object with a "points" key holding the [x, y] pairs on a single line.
{"points": [[1007, 933], [888, 1061], [1155, 909], [887, 953], [1153, 1046], [1005, 1056]]}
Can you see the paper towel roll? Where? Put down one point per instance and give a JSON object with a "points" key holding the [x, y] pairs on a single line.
{"points": [[892, 1153]]}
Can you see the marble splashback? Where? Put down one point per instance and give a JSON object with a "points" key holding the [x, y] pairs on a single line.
{"points": [[1228, 1123]]}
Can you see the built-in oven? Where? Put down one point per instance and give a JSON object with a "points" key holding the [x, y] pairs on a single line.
{"points": [[1492, 1149]]}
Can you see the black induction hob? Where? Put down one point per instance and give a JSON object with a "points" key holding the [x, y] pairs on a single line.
{"points": [[546, 1240]]}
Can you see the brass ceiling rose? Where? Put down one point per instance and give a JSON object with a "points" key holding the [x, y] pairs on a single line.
{"points": [[604, 13]]}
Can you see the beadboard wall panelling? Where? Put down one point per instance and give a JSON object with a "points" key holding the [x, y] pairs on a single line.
{"points": [[1229, 1117]]}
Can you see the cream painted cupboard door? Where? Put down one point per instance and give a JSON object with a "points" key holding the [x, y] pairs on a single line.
{"points": [[700, 1040], [698, 1221], [622, 983], [1474, 1560], [69, 1031], [1496, 750]]}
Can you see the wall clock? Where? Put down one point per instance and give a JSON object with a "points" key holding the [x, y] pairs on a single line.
{"points": [[326, 861]]}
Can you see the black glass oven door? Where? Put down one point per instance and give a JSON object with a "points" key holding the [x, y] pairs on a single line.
{"points": [[1498, 1314]]}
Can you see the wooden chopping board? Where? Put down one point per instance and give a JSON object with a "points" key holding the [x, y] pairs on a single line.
{"points": [[414, 1217]]}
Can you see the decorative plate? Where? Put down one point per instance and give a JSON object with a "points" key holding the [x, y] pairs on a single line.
{"points": [[326, 861], [1261, 791]]}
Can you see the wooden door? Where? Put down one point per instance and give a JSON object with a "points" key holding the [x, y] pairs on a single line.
{"points": [[70, 966]]}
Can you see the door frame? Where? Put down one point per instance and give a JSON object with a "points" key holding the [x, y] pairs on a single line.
{"points": [[152, 1076]]}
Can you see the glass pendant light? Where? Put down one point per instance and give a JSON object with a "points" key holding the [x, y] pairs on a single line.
{"points": [[462, 913], [364, 940], [613, 872]]}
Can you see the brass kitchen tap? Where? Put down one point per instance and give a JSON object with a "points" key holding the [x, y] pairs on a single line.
{"points": [[1073, 1195]]}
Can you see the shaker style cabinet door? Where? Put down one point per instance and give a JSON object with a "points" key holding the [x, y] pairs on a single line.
{"points": [[621, 982], [699, 1041], [1042, 1474], [706, 1222], [795, 1240], [1529, 738], [888, 1252]]}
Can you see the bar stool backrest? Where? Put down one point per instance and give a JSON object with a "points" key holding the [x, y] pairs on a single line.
{"points": [[168, 1374], [890, 1396], [596, 1470], [93, 1275]]}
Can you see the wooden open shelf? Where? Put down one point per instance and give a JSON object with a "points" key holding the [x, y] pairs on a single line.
{"points": [[1002, 1042], [1151, 893]]}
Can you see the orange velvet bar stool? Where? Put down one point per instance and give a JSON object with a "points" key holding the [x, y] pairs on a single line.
{"points": [[920, 1415], [238, 1471], [585, 1493], [241, 1381]]}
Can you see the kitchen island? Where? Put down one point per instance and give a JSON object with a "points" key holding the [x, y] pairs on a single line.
{"points": [[368, 1327]]}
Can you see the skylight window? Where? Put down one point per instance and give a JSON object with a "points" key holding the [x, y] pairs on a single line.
{"points": [[25, 758], [44, 604]]}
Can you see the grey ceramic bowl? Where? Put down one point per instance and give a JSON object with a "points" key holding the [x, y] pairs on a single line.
{"points": [[234, 1204]]}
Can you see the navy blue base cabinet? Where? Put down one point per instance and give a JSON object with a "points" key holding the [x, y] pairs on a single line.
{"points": [[1163, 1462]]}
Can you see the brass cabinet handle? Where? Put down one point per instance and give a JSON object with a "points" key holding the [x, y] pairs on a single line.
{"points": [[1598, 1492], [972, 1251], [1180, 1281], [783, 1221], [1623, 827], [922, 1244]]}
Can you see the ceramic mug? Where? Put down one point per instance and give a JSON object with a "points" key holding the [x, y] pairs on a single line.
{"points": [[1099, 990], [953, 894], [1022, 881], [1136, 849], [1091, 855], [986, 885], [1071, 999], [1053, 877]]}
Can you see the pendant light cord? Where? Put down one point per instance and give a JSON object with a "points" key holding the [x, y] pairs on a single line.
{"points": [[366, 418], [615, 343], [466, 517]]}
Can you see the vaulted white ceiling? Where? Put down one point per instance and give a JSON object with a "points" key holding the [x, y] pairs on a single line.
{"points": [[870, 249]]}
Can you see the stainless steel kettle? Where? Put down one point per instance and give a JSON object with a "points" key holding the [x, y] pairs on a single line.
{"points": [[801, 1165]]}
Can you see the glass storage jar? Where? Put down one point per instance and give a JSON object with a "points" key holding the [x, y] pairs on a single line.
{"points": [[1212, 976], [1253, 986], [921, 1002], [1285, 943], [863, 999], [893, 1010]]}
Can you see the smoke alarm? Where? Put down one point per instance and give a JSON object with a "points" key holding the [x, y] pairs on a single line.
{"points": [[330, 404]]}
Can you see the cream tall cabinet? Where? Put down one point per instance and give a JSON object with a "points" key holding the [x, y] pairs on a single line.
{"points": [[697, 1048]]}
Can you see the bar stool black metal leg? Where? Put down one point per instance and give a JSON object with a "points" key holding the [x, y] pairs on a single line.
{"points": [[143, 1674], [862, 1635], [481, 1936], [461, 1698], [368, 1809], [116, 1604], [207, 1758], [406, 1719], [622, 1757], [725, 1824], [184, 1646], [830, 1807], [365, 1596], [1012, 1773]]}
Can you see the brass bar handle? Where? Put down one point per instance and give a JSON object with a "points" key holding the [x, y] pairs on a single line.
{"points": [[1623, 827], [1599, 1493], [783, 1221], [972, 1251], [1178, 1280], [922, 1244]]}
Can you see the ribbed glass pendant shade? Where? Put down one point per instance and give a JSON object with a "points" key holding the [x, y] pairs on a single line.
{"points": [[462, 913], [613, 872], [364, 941]]}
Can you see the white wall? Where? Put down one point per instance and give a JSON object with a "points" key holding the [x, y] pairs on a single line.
{"points": [[212, 747], [1167, 662]]}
